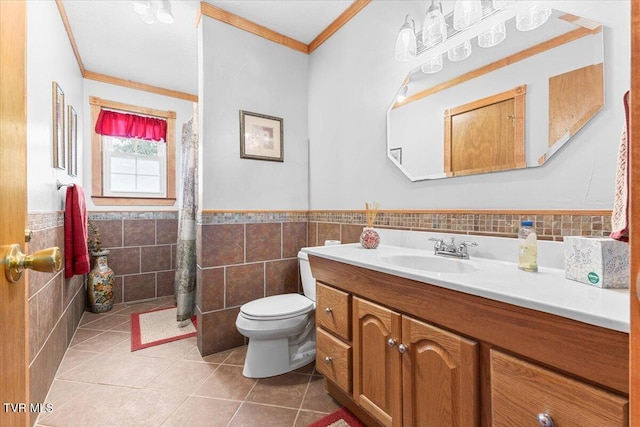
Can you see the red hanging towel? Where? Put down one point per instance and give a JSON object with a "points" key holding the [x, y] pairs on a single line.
{"points": [[76, 254]]}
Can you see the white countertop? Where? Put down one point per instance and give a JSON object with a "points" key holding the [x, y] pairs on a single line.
{"points": [[546, 290]]}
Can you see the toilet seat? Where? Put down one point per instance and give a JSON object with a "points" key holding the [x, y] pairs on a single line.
{"points": [[277, 307]]}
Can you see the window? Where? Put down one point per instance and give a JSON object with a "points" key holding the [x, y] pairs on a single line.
{"points": [[134, 167]]}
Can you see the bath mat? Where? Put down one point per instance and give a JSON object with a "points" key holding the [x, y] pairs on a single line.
{"points": [[341, 418], [158, 326]]}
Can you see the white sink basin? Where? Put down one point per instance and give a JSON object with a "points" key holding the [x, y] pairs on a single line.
{"points": [[430, 263]]}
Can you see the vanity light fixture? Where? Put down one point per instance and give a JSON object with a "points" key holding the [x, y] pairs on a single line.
{"points": [[494, 36], [434, 30], [460, 52], [406, 43], [149, 10], [466, 13], [532, 18], [433, 65]]}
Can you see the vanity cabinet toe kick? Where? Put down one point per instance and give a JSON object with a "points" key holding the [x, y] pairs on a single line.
{"points": [[494, 364]]}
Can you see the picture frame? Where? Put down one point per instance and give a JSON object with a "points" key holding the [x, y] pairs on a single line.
{"points": [[396, 153], [261, 137], [59, 153], [72, 140]]}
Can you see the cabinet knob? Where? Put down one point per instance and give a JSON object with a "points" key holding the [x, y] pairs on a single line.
{"points": [[403, 348], [545, 420], [328, 310], [328, 359], [391, 342]]}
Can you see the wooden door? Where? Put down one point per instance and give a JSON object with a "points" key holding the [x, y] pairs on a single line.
{"points": [[377, 378], [439, 377], [14, 315], [486, 135], [634, 170]]}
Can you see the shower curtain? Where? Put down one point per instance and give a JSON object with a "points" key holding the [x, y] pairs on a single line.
{"points": [[185, 280]]}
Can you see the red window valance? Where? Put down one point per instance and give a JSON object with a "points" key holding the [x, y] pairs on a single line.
{"points": [[113, 123]]}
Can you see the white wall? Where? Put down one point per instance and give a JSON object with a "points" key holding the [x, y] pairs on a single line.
{"points": [[183, 109], [353, 78], [241, 71], [49, 58]]}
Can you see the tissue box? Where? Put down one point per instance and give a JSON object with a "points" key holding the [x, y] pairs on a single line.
{"points": [[597, 261]]}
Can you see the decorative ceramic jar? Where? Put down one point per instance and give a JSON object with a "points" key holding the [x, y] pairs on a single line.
{"points": [[369, 239], [100, 283]]}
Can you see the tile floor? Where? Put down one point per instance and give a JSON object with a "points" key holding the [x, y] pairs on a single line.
{"points": [[100, 382]]}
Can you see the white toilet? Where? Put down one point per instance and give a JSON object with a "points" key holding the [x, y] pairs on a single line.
{"points": [[281, 329]]}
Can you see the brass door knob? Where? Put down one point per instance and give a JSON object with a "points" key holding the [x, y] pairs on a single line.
{"points": [[46, 260]]}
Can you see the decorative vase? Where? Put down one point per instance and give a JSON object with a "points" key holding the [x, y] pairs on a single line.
{"points": [[100, 284], [369, 239]]}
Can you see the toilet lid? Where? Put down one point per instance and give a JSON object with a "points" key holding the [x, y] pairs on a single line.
{"points": [[277, 307]]}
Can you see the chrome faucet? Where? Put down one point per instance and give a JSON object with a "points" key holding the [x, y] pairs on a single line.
{"points": [[451, 249]]}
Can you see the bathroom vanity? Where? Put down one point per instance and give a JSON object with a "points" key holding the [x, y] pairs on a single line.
{"points": [[425, 344]]}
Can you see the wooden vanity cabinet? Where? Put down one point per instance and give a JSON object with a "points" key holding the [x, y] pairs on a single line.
{"points": [[410, 373], [413, 354]]}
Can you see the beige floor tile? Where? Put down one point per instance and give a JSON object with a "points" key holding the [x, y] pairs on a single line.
{"points": [[124, 327], [82, 335], [90, 408], [119, 370], [267, 416], [103, 341], [62, 392], [203, 412], [144, 408], [88, 317], [307, 369], [194, 354], [237, 356], [183, 377], [282, 390], [104, 323], [317, 399], [308, 417], [170, 350], [226, 382], [129, 309], [74, 358]]}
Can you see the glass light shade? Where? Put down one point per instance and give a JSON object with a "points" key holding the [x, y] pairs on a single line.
{"points": [[141, 6], [434, 30], [433, 65], [494, 36], [164, 12], [532, 18], [406, 43], [501, 4], [460, 52], [466, 13]]}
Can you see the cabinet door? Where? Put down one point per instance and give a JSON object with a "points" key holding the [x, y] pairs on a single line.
{"points": [[522, 393], [376, 366], [440, 377]]}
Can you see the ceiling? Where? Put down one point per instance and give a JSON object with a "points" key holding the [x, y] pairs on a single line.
{"points": [[112, 40]]}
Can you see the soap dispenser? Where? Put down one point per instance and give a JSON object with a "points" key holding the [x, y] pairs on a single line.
{"points": [[527, 247]]}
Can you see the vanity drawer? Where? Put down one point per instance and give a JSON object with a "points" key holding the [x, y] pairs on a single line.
{"points": [[333, 359], [520, 391], [333, 310]]}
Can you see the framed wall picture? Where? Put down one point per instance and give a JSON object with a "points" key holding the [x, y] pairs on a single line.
{"points": [[59, 158], [261, 137], [72, 137]]}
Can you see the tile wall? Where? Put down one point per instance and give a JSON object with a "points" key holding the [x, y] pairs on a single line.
{"points": [[56, 305], [142, 254], [241, 257], [247, 255]]}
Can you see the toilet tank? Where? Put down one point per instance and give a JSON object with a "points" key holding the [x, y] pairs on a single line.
{"points": [[308, 282]]}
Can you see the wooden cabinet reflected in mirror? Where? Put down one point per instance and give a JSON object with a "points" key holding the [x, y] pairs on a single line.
{"points": [[486, 135], [560, 64]]}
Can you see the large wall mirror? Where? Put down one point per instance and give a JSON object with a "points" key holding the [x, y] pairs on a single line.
{"points": [[506, 107]]}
